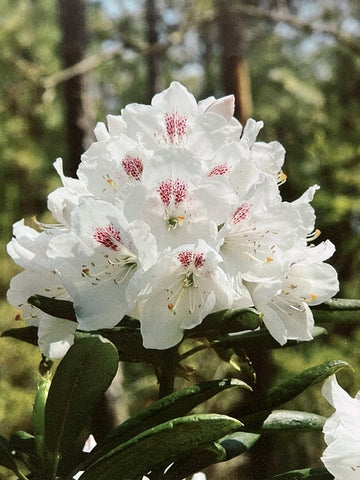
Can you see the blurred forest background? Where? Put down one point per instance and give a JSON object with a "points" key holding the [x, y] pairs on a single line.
{"points": [[295, 64]]}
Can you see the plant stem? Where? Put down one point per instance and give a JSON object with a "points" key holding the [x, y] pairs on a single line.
{"points": [[165, 371]]}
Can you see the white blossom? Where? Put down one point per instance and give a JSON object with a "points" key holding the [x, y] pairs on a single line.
{"points": [[176, 213], [182, 287], [342, 432], [285, 303], [28, 248]]}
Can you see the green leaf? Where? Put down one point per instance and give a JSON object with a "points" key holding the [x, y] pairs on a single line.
{"points": [[6, 458], [227, 448], [199, 459], [291, 420], [282, 420], [307, 473], [82, 377], [338, 310], [38, 413], [25, 334], [339, 304], [167, 408], [54, 307], [287, 390], [161, 445], [226, 321], [238, 443], [259, 339]]}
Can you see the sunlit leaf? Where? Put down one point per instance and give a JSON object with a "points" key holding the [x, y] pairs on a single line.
{"points": [[38, 413], [161, 445], [284, 420], [80, 380], [339, 304], [288, 389], [167, 408]]}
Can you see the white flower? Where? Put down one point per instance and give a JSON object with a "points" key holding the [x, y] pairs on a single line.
{"points": [[29, 249], [181, 288], [174, 119], [231, 162], [267, 157], [342, 432], [62, 200], [97, 260], [179, 203], [258, 234], [285, 303], [108, 165]]}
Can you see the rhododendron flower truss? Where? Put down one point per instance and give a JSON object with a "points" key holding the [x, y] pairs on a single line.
{"points": [[176, 213]]}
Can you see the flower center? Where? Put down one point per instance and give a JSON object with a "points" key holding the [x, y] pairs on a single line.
{"points": [[110, 266], [247, 239], [188, 259]]}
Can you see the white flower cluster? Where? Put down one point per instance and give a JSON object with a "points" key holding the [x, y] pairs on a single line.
{"points": [[176, 213], [342, 432]]}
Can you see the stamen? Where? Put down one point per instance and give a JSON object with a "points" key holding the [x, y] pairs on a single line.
{"points": [[116, 269], [313, 235], [281, 178]]}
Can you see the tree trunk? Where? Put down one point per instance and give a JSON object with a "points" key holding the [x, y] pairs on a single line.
{"points": [[153, 59], [234, 68], [73, 27]]}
